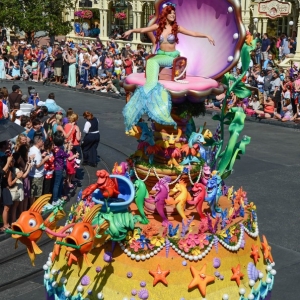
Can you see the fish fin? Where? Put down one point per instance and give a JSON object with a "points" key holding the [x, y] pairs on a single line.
{"points": [[92, 213], [86, 260], [40, 203], [31, 254], [147, 195], [52, 220], [36, 248]]}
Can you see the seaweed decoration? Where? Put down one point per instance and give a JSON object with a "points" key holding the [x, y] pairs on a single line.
{"points": [[235, 118]]}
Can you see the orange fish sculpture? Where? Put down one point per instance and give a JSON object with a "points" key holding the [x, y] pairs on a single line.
{"points": [[83, 238], [29, 228]]}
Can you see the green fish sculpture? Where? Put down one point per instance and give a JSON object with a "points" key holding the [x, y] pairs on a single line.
{"points": [[140, 194]]}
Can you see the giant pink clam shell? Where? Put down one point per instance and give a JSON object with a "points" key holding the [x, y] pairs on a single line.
{"points": [[220, 19]]}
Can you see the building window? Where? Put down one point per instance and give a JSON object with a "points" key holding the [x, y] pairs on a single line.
{"points": [[117, 23], [85, 3], [148, 13]]}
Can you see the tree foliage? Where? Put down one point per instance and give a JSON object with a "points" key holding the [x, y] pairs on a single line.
{"points": [[29, 15]]}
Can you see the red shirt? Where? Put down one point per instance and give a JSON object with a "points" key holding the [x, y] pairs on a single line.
{"points": [[128, 67]]}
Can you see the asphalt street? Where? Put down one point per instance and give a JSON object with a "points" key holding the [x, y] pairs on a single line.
{"points": [[269, 172]]}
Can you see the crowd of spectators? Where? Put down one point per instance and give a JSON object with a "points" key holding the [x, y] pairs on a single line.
{"points": [[275, 91], [44, 158], [90, 65]]}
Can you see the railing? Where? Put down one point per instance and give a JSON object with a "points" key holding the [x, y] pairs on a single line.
{"points": [[121, 43]]}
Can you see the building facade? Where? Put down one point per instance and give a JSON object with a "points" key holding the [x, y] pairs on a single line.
{"points": [[137, 13]]}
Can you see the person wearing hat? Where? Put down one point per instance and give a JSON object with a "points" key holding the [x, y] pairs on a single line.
{"points": [[18, 116], [127, 50], [15, 96]]}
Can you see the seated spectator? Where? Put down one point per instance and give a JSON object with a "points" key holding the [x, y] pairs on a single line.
{"points": [[116, 83], [287, 112], [268, 108], [253, 105], [15, 71], [27, 71]]}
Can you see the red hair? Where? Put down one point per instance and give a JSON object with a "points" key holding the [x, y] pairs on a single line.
{"points": [[162, 22]]}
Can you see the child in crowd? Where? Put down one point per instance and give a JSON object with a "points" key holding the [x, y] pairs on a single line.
{"points": [[71, 163], [48, 167]]}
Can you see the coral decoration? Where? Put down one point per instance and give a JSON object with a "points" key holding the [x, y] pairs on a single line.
{"points": [[200, 279], [121, 15], [83, 14], [266, 250], [237, 274], [159, 275], [255, 253]]}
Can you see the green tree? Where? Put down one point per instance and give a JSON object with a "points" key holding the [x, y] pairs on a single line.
{"points": [[31, 16]]}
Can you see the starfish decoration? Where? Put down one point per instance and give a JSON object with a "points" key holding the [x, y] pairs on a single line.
{"points": [[255, 253], [159, 275], [237, 274], [200, 279], [266, 250]]}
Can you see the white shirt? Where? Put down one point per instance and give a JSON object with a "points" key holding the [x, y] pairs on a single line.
{"points": [[18, 121], [36, 172], [5, 110], [118, 64], [87, 127], [26, 108], [95, 63]]}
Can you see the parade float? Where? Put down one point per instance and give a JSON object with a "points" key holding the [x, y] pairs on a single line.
{"points": [[164, 224]]}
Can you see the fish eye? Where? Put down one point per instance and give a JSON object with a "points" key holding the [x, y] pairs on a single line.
{"points": [[32, 222], [86, 235]]}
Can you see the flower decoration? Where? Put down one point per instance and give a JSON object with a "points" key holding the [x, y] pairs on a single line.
{"points": [[203, 241], [135, 245], [252, 206], [234, 239], [193, 240], [131, 236], [183, 245], [196, 251], [203, 226], [157, 241], [144, 242], [83, 14], [120, 16]]}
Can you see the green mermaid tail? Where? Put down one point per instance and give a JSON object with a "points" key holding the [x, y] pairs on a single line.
{"points": [[151, 98]]}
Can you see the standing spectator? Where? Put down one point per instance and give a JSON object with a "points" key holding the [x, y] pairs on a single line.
{"points": [[2, 67], [5, 112], [48, 167], [71, 58], [36, 130], [75, 136], [28, 53], [267, 82], [268, 62], [91, 139], [94, 62], [14, 50], [265, 47], [128, 65], [49, 48], [285, 45], [36, 174], [58, 63], [100, 63], [118, 64], [86, 64], [109, 63], [71, 163], [21, 55], [15, 96], [59, 161], [275, 90]]}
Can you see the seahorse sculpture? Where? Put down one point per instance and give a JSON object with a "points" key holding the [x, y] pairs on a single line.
{"points": [[181, 196], [162, 193]]}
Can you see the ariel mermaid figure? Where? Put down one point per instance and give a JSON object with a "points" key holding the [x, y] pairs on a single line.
{"points": [[152, 98]]}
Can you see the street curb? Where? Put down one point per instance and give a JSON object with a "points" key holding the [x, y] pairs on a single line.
{"points": [[273, 122]]}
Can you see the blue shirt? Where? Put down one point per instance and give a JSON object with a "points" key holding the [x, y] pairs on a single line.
{"points": [[31, 101], [31, 133], [265, 44]]}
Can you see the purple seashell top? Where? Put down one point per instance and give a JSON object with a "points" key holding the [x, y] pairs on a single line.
{"points": [[98, 269], [133, 292], [252, 271], [85, 280], [216, 262], [129, 274], [143, 294], [143, 283]]}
